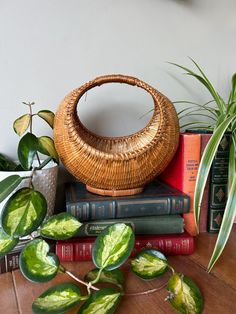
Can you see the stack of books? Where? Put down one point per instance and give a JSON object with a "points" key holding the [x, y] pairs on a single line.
{"points": [[155, 216]]}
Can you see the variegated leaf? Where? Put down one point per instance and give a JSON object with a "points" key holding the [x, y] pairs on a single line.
{"points": [[113, 246], [21, 124], [149, 264], [48, 116], [57, 299], [184, 296], [6, 164], [6, 243], [46, 147], [104, 301], [27, 149], [60, 227], [24, 212], [36, 263], [8, 185]]}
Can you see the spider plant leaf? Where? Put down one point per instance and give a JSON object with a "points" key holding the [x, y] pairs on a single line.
{"points": [[232, 161], [7, 243], [198, 114], [199, 123], [58, 299], [47, 116], [21, 124], [226, 225], [206, 162], [232, 95], [27, 149], [46, 146], [8, 185]]}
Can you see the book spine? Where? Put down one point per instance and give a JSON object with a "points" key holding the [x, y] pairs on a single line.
{"points": [[82, 251], [218, 185], [168, 224], [9, 262]]}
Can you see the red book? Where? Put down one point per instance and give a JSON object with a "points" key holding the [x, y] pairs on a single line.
{"points": [[80, 249]]}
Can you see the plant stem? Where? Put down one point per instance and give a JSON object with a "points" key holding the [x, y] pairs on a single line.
{"points": [[87, 284], [145, 292], [31, 178]]}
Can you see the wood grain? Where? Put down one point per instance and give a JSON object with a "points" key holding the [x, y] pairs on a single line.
{"points": [[8, 302]]}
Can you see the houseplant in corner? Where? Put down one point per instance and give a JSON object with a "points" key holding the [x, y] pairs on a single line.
{"points": [[223, 113]]}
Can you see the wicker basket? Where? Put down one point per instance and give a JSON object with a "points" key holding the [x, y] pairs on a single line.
{"points": [[116, 165]]}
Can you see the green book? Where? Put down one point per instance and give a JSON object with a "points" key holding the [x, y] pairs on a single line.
{"points": [[166, 224]]}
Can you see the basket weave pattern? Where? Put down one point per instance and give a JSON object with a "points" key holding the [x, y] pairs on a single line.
{"points": [[116, 163]]}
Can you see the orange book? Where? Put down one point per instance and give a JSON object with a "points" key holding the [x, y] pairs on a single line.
{"points": [[182, 171]]}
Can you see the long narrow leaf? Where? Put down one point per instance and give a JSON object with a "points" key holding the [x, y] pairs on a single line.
{"points": [[194, 115], [226, 225], [206, 162], [232, 160]]}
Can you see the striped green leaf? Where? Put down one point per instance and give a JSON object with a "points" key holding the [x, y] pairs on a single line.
{"points": [[57, 299], [149, 264], [184, 296], [205, 164], [48, 116], [226, 225], [21, 124], [115, 277], [104, 301], [60, 227], [23, 213], [113, 246], [36, 263], [8, 185], [27, 149], [6, 164], [7, 243], [46, 147]]}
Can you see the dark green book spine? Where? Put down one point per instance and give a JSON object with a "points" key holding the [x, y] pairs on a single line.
{"points": [[110, 209], [141, 225], [218, 185]]}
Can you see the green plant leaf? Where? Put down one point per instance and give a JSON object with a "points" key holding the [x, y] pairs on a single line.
{"points": [[24, 212], [6, 243], [27, 149], [8, 185], [206, 162], [36, 264], [115, 277], [113, 246], [226, 225], [185, 296], [21, 124], [46, 147], [48, 116], [60, 227], [57, 299], [104, 301], [232, 164], [149, 264], [6, 164]]}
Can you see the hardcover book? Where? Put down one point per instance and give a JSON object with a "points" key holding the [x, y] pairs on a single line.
{"points": [[156, 199]]}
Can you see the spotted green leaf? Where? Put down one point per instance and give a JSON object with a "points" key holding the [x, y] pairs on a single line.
{"points": [[57, 299], [8, 185], [24, 212], [21, 124], [46, 147], [27, 149], [113, 246], [60, 227], [36, 263], [104, 301], [184, 296], [48, 116], [6, 243], [115, 277]]}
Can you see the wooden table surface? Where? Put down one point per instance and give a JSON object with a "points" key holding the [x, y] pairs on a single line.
{"points": [[218, 288]]}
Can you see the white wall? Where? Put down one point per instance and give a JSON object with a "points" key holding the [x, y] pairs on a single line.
{"points": [[49, 47]]}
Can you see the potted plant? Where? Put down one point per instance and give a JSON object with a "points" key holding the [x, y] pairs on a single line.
{"points": [[223, 119], [31, 170]]}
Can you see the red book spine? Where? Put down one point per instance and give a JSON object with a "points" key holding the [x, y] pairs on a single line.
{"points": [[81, 249]]}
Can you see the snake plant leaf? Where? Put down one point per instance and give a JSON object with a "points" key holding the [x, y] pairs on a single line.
{"points": [[206, 161], [113, 246], [184, 296], [46, 147], [48, 116], [104, 301], [226, 225], [24, 212], [36, 263], [6, 243], [8, 185], [21, 124], [114, 277], [6, 164], [149, 264], [60, 227], [27, 149], [57, 299]]}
